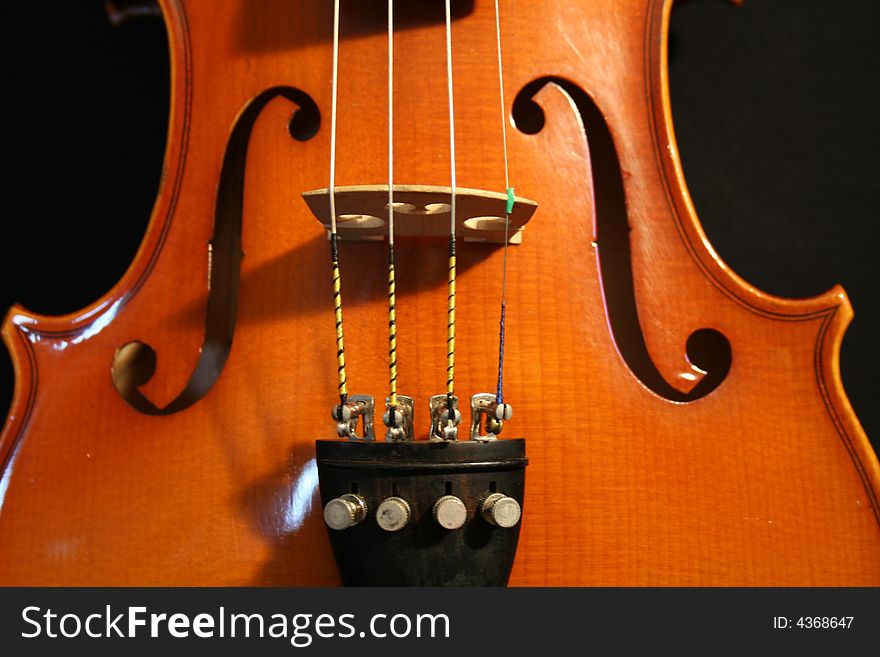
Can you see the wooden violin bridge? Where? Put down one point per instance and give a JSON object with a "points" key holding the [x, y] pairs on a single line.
{"points": [[421, 210]]}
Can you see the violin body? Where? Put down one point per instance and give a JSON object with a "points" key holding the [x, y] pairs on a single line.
{"points": [[682, 427]]}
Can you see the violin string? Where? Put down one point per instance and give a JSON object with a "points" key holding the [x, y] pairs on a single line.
{"points": [[499, 393], [450, 317], [392, 311], [334, 240]]}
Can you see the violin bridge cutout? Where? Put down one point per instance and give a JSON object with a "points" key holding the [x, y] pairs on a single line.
{"points": [[421, 210]]}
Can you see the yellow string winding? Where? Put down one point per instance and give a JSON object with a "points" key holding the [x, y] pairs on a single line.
{"points": [[392, 336], [450, 330], [340, 342]]}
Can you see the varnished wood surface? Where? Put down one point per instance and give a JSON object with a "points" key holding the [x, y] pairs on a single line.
{"points": [[768, 479]]}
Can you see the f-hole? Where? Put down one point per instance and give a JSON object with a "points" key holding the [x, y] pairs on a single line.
{"points": [[134, 363], [706, 348]]}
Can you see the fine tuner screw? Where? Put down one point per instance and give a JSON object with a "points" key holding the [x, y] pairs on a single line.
{"points": [[503, 412], [340, 413]]}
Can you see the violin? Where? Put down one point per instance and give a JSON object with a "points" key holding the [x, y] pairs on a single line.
{"points": [[423, 284]]}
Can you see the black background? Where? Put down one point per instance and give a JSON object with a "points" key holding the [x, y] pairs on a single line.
{"points": [[775, 107]]}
